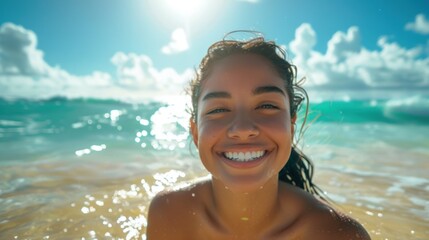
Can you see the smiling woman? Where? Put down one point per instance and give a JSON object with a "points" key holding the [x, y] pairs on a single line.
{"points": [[245, 99]]}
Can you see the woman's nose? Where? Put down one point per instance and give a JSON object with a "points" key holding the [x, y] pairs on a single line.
{"points": [[243, 127]]}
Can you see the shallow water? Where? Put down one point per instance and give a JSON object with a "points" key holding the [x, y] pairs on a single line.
{"points": [[87, 170]]}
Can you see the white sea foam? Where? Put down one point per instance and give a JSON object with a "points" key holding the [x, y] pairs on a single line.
{"points": [[416, 106]]}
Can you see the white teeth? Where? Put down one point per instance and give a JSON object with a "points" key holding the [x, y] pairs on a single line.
{"points": [[244, 156]]}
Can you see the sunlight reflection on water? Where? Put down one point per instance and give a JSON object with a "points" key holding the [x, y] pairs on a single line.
{"points": [[115, 210], [169, 127]]}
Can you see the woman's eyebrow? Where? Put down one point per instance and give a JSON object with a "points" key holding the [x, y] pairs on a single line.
{"points": [[211, 95], [268, 89]]}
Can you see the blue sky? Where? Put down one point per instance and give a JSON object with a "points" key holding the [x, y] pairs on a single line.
{"points": [[143, 47]]}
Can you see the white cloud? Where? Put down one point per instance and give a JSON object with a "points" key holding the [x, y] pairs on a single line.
{"points": [[178, 43], [420, 25], [137, 71], [18, 52], [302, 45], [25, 74], [342, 45], [348, 65]]}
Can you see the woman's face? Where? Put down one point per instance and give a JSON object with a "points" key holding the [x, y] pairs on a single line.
{"points": [[244, 130]]}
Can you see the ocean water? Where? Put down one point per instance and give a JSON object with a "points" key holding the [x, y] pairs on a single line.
{"points": [[87, 169]]}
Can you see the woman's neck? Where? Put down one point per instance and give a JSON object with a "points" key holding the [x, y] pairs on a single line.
{"points": [[245, 211]]}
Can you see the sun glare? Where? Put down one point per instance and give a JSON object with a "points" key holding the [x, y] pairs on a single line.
{"points": [[184, 8], [188, 14]]}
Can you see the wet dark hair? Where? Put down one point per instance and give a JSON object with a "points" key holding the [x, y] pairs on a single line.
{"points": [[298, 170]]}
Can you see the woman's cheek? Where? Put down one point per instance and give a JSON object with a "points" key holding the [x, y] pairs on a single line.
{"points": [[209, 129], [279, 122]]}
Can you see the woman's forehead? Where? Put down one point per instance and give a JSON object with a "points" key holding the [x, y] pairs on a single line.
{"points": [[240, 66], [243, 60], [243, 72]]}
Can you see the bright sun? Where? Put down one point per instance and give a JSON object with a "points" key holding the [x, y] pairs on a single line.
{"points": [[188, 14], [185, 8]]}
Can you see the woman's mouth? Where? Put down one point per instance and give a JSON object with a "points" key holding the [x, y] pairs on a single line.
{"points": [[244, 156]]}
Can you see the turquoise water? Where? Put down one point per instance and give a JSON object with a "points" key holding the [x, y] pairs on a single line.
{"points": [[100, 162], [61, 128]]}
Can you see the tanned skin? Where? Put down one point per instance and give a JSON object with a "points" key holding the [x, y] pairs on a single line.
{"points": [[243, 108]]}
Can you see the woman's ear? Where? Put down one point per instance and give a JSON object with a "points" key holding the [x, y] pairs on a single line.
{"points": [[194, 131]]}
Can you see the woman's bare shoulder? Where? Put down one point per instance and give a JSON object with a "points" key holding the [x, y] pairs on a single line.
{"points": [[318, 220], [179, 197], [328, 223], [179, 194], [172, 211]]}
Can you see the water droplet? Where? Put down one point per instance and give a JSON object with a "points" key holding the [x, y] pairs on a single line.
{"points": [[92, 233], [85, 210], [144, 122], [369, 213], [193, 194]]}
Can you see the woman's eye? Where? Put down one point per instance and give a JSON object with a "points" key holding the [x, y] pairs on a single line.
{"points": [[267, 106], [218, 110]]}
